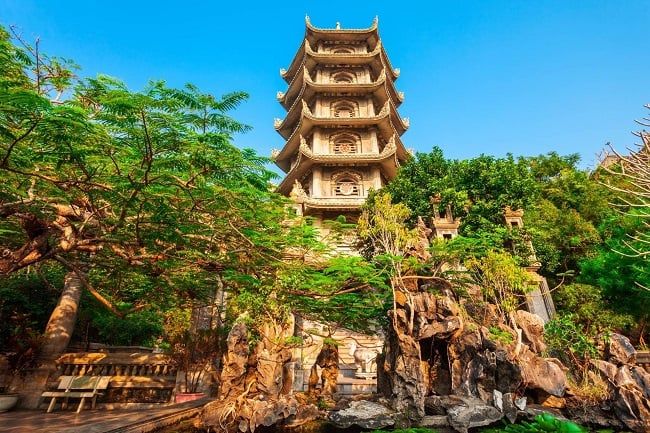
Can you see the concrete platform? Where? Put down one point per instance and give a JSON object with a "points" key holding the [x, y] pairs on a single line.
{"points": [[98, 420]]}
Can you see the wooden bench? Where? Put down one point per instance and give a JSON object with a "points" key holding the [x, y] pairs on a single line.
{"points": [[81, 387], [134, 377]]}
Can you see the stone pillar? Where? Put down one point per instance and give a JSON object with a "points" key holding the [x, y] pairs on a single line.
{"points": [[374, 143], [319, 142], [376, 178], [370, 107], [317, 181]]}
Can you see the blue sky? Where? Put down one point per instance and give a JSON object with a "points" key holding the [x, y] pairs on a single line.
{"points": [[525, 77]]}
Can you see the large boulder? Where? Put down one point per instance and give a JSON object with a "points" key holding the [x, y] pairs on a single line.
{"points": [[474, 413], [630, 392], [542, 374], [364, 414], [480, 365], [439, 329], [620, 350], [446, 306], [532, 327]]}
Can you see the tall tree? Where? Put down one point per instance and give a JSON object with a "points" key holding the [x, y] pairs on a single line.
{"points": [[136, 194], [630, 180]]}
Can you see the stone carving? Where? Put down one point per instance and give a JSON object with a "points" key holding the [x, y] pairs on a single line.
{"points": [[256, 384], [297, 192], [365, 359]]}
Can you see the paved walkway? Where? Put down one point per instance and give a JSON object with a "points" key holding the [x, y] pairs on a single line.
{"points": [[97, 420]]}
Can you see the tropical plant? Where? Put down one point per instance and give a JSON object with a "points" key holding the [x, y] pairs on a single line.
{"points": [[504, 283]]}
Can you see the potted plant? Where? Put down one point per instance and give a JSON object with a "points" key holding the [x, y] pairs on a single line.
{"points": [[192, 351]]}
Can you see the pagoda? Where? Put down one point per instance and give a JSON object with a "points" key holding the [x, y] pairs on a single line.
{"points": [[342, 129]]}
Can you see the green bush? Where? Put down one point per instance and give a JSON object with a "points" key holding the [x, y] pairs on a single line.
{"points": [[500, 335], [567, 340], [544, 423]]}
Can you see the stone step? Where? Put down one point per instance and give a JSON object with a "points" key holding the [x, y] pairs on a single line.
{"points": [[356, 388], [434, 421]]}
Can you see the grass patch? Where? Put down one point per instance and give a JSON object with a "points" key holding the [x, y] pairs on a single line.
{"points": [[500, 335]]}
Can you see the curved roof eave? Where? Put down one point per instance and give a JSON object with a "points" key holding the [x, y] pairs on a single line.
{"points": [[307, 122], [288, 99]]}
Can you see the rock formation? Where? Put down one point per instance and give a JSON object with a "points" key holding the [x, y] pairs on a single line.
{"points": [[328, 362], [629, 385], [255, 388], [450, 352], [457, 358]]}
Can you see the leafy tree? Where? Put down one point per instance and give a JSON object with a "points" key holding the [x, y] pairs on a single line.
{"points": [[589, 309], [568, 341], [424, 176], [139, 196], [621, 277], [561, 236], [478, 189], [503, 282]]}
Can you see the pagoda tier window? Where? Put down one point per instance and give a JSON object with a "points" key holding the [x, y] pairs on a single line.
{"points": [[344, 143], [344, 109], [343, 77], [346, 184], [339, 48]]}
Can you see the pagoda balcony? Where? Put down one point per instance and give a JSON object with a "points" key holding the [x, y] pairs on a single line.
{"points": [[387, 160], [299, 122], [377, 59], [337, 203], [292, 146], [305, 88], [334, 203]]}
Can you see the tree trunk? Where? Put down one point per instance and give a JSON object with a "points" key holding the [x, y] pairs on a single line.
{"points": [[63, 319], [56, 338]]}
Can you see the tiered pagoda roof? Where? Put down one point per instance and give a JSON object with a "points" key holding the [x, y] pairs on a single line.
{"points": [[370, 101]]}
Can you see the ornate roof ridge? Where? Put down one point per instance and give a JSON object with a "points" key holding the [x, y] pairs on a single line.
{"points": [[338, 29], [283, 71]]}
